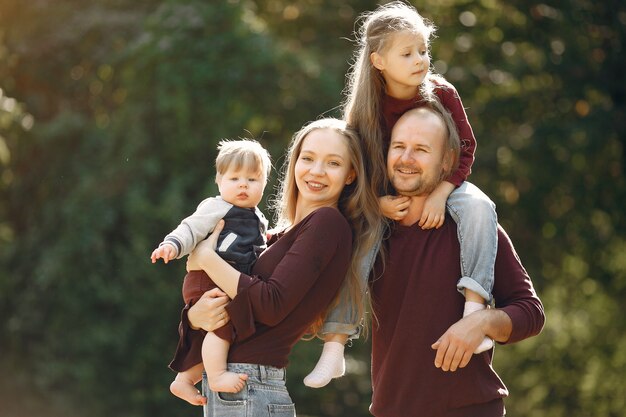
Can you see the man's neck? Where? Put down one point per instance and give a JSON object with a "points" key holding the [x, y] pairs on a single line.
{"points": [[414, 211]]}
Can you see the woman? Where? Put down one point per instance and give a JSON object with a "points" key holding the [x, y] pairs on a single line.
{"points": [[325, 214]]}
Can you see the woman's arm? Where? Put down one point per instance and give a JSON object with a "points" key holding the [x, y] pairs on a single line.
{"points": [[322, 238], [205, 258], [316, 252]]}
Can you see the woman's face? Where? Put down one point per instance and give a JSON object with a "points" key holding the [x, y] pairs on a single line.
{"points": [[323, 168]]}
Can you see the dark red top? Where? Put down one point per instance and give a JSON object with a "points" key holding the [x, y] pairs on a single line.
{"points": [[416, 301], [449, 97], [292, 283]]}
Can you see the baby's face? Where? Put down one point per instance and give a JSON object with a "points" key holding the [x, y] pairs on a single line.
{"points": [[241, 188]]}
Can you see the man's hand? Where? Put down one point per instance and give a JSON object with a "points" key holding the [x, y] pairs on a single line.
{"points": [[457, 345]]}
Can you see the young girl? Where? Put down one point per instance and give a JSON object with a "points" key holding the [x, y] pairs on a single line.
{"points": [[390, 76]]}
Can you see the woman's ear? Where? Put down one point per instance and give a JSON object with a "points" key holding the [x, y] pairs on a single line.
{"points": [[351, 177], [377, 61]]}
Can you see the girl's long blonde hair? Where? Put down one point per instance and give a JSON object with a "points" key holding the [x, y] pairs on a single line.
{"points": [[357, 203], [365, 85]]}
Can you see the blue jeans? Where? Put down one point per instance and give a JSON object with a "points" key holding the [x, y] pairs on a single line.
{"points": [[264, 395], [477, 230]]}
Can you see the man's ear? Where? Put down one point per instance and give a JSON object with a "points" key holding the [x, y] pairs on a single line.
{"points": [[448, 162], [377, 61]]}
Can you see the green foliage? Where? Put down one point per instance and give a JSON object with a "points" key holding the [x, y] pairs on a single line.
{"points": [[109, 116]]}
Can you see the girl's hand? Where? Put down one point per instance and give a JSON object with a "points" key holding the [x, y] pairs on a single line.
{"points": [[394, 207], [209, 313], [434, 212], [194, 260]]}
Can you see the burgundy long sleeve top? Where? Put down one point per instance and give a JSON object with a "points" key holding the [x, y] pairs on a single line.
{"points": [[416, 301], [292, 283], [394, 108]]}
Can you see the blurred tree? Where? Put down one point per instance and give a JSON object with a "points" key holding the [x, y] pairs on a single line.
{"points": [[129, 102]]}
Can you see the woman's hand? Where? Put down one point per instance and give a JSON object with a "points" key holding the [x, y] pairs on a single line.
{"points": [[209, 312], [195, 258]]}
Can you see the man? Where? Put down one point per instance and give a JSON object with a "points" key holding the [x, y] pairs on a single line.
{"points": [[422, 361]]}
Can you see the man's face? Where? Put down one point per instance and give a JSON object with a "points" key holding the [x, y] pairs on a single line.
{"points": [[415, 162]]}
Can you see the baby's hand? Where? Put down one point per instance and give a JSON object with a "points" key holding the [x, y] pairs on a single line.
{"points": [[434, 212], [167, 252], [394, 207]]}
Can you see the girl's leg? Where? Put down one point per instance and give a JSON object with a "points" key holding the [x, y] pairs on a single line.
{"points": [[331, 364], [341, 324], [477, 229], [184, 386], [214, 356], [474, 302]]}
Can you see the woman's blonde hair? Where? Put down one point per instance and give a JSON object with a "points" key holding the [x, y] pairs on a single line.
{"points": [[365, 87], [357, 203]]}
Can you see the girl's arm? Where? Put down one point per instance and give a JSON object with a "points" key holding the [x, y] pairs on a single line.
{"points": [[394, 207], [433, 214], [451, 100]]}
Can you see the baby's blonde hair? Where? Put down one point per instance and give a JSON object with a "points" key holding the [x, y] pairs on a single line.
{"points": [[240, 154]]}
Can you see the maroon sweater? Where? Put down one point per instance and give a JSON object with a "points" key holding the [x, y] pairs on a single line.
{"points": [[449, 97], [292, 283], [416, 301]]}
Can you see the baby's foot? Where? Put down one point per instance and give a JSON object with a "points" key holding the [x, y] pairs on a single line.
{"points": [[187, 392], [227, 382], [331, 365]]}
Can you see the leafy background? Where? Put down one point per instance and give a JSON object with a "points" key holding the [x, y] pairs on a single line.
{"points": [[110, 112]]}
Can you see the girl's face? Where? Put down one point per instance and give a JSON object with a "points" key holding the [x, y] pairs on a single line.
{"points": [[404, 64], [322, 169]]}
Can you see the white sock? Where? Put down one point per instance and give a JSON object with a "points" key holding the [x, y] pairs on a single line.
{"points": [[330, 365], [470, 307]]}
